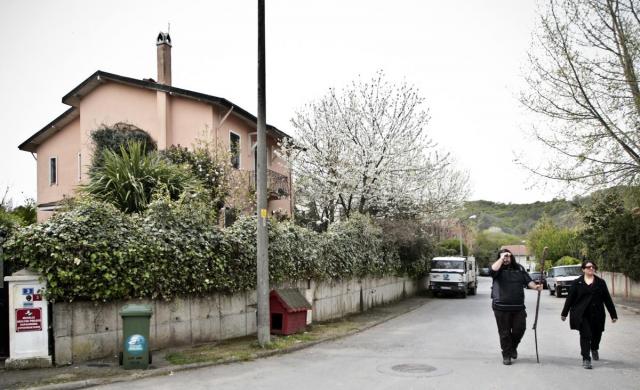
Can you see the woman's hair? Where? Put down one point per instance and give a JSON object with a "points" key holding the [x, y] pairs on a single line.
{"points": [[584, 264]]}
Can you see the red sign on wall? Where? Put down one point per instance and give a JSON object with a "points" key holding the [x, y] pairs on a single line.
{"points": [[28, 320]]}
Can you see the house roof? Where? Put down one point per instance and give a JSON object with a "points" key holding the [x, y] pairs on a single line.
{"points": [[31, 144], [292, 299], [517, 250], [92, 82]]}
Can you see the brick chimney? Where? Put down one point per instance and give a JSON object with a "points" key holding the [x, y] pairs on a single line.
{"points": [[163, 42]]}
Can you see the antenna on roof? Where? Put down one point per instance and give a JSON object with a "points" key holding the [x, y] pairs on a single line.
{"points": [[168, 27]]}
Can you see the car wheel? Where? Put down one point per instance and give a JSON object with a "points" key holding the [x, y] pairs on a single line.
{"points": [[558, 293], [551, 292]]}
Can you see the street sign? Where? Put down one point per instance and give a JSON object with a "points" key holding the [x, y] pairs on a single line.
{"points": [[28, 319]]}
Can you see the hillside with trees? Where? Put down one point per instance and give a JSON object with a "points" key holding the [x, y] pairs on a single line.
{"points": [[604, 226], [519, 219]]}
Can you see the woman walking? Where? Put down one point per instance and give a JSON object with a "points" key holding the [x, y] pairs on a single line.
{"points": [[586, 301]]}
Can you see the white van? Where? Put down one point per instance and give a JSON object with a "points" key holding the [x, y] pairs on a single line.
{"points": [[560, 278]]}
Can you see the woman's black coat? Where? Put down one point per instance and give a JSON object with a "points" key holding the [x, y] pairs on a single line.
{"points": [[595, 297]]}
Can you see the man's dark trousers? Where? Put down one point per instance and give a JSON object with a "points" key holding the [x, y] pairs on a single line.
{"points": [[511, 327]]}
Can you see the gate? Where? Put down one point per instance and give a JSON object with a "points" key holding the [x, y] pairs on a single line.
{"points": [[4, 311]]}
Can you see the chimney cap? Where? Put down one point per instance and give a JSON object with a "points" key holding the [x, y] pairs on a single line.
{"points": [[163, 39]]}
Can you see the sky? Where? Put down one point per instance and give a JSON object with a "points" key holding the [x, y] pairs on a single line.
{"points": [[466, 57]]}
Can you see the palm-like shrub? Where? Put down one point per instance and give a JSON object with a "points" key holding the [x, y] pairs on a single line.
{"points": [[129, 178], [114, 137]]}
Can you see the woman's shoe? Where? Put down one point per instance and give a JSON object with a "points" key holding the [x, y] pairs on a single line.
{"points": [[595, 355], [586, 364]]}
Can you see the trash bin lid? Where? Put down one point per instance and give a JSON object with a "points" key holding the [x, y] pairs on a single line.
{"points": [[136, 310]]}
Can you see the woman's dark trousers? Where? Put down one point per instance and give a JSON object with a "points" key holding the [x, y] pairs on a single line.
{"points": [[511, 327], [589, 339]]}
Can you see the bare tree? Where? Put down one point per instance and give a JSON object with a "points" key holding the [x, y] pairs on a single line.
{"points": [[366, 150], [584, 65]]}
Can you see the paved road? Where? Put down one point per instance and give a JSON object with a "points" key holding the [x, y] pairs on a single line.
{"points": [[448, 343]]}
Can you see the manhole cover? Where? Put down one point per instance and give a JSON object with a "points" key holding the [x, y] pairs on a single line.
{"points": [[410, 368]]}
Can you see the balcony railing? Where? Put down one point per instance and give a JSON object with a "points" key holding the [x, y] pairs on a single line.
{"points": [[278, 186]]}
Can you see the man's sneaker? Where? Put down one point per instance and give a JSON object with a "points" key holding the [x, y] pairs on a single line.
{"points": [[586, 364], [506, 361], [514, 354], [595, 355]]}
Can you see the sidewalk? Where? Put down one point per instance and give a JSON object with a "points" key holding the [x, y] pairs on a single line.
{"points": [[166, 362], [627, 304]]}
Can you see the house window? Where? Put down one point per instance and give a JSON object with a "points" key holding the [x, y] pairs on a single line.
{"points": [[234, 148], [53, 171], [79, 166], [269, 155]]}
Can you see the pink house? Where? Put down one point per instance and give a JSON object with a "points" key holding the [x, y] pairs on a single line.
{"points": [[172, 116]]}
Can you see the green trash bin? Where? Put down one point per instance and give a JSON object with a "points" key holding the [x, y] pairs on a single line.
{"points": [[135, 347]]}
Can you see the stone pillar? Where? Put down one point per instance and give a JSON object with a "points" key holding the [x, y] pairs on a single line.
{"points": [[28, 322]]}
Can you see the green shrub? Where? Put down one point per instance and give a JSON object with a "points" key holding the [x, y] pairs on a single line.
{"points": [[355, 248], [567, 260], [87, 253], [184, 250], [412, 242], [451, 247], [209, 166], [115, 137], [128, 179], [93, 251], [612, 231], [8, 223]]}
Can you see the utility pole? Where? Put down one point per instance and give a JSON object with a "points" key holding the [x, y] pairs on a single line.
{"points": [[261, 184]]}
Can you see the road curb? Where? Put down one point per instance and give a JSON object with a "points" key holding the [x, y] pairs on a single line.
{"points": [[629, 308], [169, 370]]}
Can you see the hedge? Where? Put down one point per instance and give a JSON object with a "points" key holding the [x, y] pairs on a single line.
{"points": [[95, 252]]}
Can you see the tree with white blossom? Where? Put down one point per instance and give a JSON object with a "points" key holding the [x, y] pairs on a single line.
{"points": [[365, 149]]}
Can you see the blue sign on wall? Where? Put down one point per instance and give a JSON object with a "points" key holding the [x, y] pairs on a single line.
{"points": [[27, 291]]}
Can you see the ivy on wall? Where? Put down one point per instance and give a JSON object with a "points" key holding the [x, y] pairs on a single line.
{"points": [[95, 252]]}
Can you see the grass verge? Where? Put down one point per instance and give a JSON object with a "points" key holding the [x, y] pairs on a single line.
{"points": [[247, 348]]}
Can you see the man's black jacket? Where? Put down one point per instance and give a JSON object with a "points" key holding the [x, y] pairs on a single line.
{"points": [[507, 291]]}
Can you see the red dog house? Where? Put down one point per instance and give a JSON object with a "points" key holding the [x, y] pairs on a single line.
{"points": [[288, 311]]}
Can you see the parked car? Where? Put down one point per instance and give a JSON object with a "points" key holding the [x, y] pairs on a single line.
{"points": [[560, 278], [536, 277], [484, 271]]}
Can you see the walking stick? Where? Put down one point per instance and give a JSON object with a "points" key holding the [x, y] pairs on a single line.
{"points": [[535, 322]]}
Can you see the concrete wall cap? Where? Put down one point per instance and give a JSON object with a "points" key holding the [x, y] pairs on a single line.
{"points": [[23, 275]]}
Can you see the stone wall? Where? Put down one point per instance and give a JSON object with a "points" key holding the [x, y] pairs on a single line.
{"points": [[621, 285], [85, 330]]}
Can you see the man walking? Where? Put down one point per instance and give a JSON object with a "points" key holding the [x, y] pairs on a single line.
{"points": [[507, 296]]}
